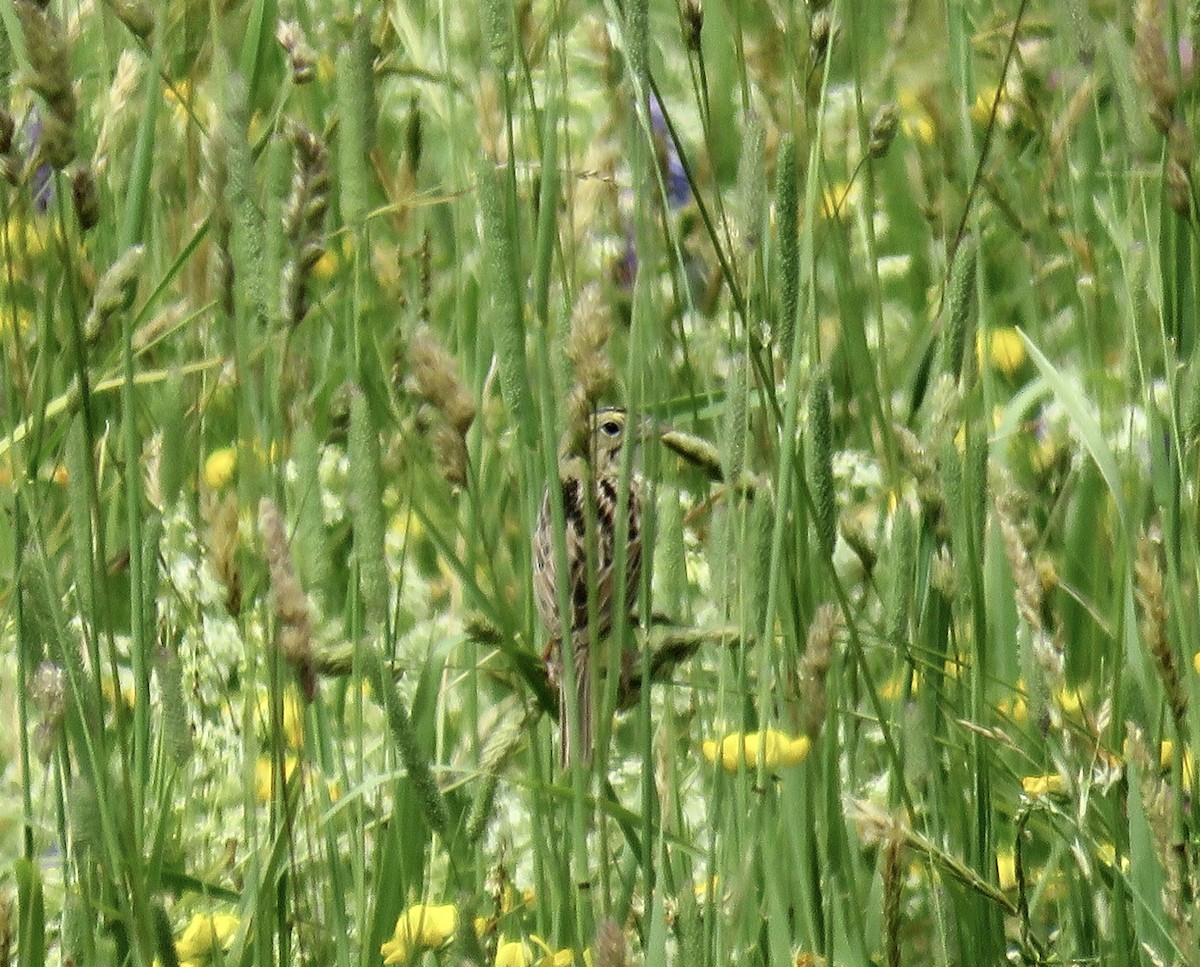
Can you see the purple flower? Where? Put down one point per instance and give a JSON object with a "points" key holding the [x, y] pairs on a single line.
{"points": [[625, 270], [41, 188], [679, 192]]}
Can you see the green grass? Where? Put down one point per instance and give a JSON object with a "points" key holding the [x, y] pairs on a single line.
{"points": [[913, 289]]}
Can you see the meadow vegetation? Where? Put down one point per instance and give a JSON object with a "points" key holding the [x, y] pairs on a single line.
{"points": [[298, 302]]}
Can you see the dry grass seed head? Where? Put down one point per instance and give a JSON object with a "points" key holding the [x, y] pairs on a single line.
{"points": [[1151, 69], [814, 667], [294, 634], [436, 380], [221, 516], [1151, 597]]}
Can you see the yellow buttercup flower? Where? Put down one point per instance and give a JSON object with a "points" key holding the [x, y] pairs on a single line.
{"points": [[1166, 759], [205, 934], [893, 688], [915, 119], [293, 717], [119, 691], [1070, 700], [1015, 708], [981, 110], [219, 467], [738, 750], [265, 774], [19, 236], [325, 267], [511, 953], [1003, 347], [420, 927], [1043, 785], [557, 958]]}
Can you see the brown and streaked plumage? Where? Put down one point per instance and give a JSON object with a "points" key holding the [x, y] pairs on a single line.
{"points": [[603, 468]]}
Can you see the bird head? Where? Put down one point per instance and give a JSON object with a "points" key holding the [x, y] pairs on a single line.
{"points": [[607, 437]]}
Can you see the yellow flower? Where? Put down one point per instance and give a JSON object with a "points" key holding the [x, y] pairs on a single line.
{"points": [[420, 927], [981, 110], [1015, 709], [1166, 759], [20, 236], [1045, 452], [740, 749], [839, 199], [187, 104], [119, 690], [266, 772], [219, 467], [293, 717], [1106, 853], [1043, 785], [406, 526], [204, 934], [914, 119], [1004, 347], [1196, 662], [893, 688], [557, 958], [511, 953], [955, 665], [1006, 870], [324, 267], [1070, 700], [325, 69]]}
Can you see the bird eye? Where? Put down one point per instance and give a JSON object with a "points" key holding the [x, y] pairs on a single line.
{"points": [[610, 427]]}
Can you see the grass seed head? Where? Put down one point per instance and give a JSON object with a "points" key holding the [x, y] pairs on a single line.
{"points": [[304, 219], [301, 57], [814, 667], [114, 292], [883, 130], [50, 78], [84, 197], [294, 634], [136, 15], [436, 378], [177, 731], [1027, 584], [822, 35], [610, 948], [1150, 65], [593, 371], [221, 515], [1179, 188], [1152, 598]]}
